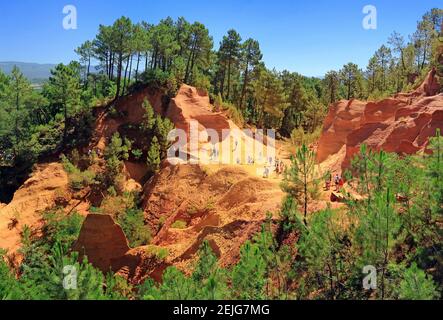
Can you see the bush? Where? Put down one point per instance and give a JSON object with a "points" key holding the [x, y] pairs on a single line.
{"points": [[78, 179], [133, 225], [416, 285], [137, 153], [158, 252], [179, 224], [300, 137], [115, 205], [62, 228]]}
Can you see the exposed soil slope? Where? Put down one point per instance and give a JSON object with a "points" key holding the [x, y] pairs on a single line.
{"points": [[38, 193], [226, 207]]}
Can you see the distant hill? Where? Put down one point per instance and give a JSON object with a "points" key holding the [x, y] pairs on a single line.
{"points": [[35, 72]]}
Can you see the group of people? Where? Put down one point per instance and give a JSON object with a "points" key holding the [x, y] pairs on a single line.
{"points": [[96, 151], [279, 167], [338, 182]]}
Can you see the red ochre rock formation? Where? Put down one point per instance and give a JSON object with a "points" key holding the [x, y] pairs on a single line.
{"points": [[402, 124], [225, 206], [192, 104], [101, 240], [105, 245], [36, 195]]}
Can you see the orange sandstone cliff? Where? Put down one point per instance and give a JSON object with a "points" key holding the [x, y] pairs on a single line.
{"points": [[402, 124]]}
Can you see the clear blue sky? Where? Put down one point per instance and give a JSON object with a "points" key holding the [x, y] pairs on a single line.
{"points": [[310, 37]]}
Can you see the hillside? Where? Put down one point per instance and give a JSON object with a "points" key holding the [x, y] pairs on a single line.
{"points": [[35, 72], [225, 204], [161, 166]]}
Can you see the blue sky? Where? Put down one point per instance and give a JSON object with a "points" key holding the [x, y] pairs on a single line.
{"points": [[310, 37]]}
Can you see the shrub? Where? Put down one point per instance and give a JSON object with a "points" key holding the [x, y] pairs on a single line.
{"points": [[78, 179], [416, 285], [133, 225], [179, 224], [158, 252], [137, 153]]}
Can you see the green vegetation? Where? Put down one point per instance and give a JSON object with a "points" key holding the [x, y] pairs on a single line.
{"points": [[395, 226], [179, 224], [78, 179], [133, 225], [159, 253], [36, 124], [301, 179], [45, 258]]}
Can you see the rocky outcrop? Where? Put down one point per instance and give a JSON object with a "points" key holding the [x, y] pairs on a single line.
{"points": [[38, 193], [105, 245], [193, 104], [102, 241], [402, 124]]}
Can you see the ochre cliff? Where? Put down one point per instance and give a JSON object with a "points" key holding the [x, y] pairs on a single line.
{"points": [[402, 124]]}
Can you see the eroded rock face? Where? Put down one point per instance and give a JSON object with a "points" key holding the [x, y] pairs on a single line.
{"points": [[226, 207], [106, 247], [402, 124], [37, 194], [102, 241], [191, 104]]}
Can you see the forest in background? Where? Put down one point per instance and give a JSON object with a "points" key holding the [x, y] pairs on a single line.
{"points": [[402, 239]]}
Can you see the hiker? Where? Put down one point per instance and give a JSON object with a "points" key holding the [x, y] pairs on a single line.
{"points": [[279, 166], [236, 145], [337, 182], [266, 173]]}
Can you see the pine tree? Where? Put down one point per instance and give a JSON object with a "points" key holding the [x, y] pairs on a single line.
{"points": [[251, 57], [416, 285], [332, 82], [301, 177], [249, 275], [64, 92], [154, 152], [351, 78], [149, 117], [229, 55], [208, 278]]}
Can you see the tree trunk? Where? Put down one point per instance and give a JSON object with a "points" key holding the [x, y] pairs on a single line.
{"points": [[424, 57], [222, 83], [229, 79], [245, 83], [126, 73], [112, 65], [89, 67], [130, 70], [191, 53], [119, 74], [138, 64]]}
